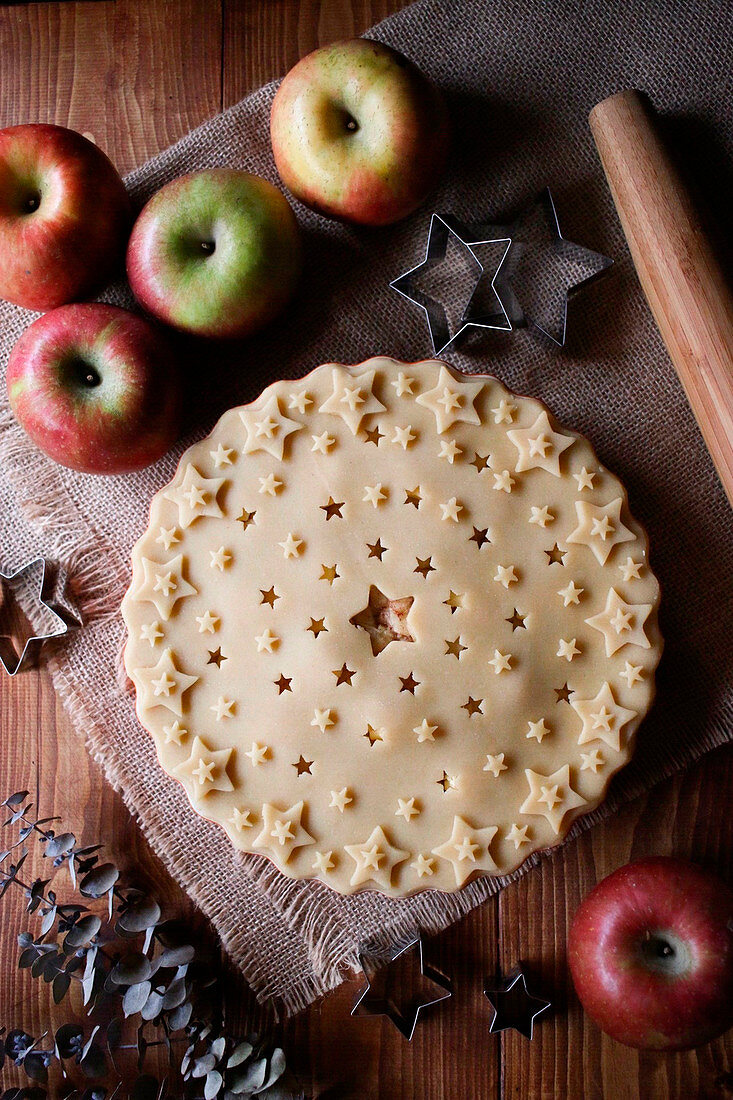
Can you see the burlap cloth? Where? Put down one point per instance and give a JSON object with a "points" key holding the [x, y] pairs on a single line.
{"points": [[521, 77]]}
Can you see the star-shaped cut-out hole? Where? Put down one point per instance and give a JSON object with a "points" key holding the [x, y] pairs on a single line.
{"points": [[283, 683], [317, 627], [376, 549], [563, 693], [344, 675], [455, 648], [424, 566], [556, 556], [473, 706], [446, 782], [481, 462], [333, 508], [412, 496], [454, 601], [303, 766], [216, 657], [373, 735], [409, 683], [384, 620], [330, 573], [516, 621], [246, 518], [269, 596], [480, 536], [373, 435]]}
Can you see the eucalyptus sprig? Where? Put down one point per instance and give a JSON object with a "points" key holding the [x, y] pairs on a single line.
{"points": [[142, 984]]}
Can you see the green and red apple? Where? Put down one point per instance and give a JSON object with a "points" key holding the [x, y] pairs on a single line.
{"points": [[359, 132], [216, 253], [651, 955], [64, 216], [95, 387]]}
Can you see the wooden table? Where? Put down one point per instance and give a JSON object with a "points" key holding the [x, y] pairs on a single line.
{"points": [[138, 75]]}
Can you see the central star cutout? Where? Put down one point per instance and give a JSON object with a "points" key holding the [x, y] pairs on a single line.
{"points": [[384, 620]]}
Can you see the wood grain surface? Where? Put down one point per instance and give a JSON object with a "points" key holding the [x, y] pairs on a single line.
{"points": [[137, 75]]}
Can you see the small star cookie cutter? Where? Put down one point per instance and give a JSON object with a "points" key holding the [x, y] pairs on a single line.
{"points": [[513, 1004], [373, 1001], [528, 282], [59, 613], [449, 314]]}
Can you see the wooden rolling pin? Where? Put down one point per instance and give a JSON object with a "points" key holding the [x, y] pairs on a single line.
{"points": [[684, 283]]}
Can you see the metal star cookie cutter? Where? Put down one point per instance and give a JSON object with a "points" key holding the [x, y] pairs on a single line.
{"points": [[371, 1003], [536, 270], [58, 611], [532, 276], [458, 307], [514, 1007]]}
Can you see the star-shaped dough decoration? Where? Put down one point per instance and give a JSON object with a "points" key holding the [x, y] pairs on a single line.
{"points": [[551, 796], [495, 764], [205, 770], [602, 717], [425, 732], [163, 585], [375, 859], [451, 401], [151, 633], [241, 819], [222, 456], [600, 528], [267, 428], [195, 496], [282, 831], [163, 685], [467, 849], [352, 398], [539, 447], [621, 623]]}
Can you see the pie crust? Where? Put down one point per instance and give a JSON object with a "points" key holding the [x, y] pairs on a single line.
{"points": [[392, 627]]}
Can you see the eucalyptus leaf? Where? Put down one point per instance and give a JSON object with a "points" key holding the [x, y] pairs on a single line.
{"points": [[203, 1065], [180, 1016], [241, 1052], [34, 1065], [139, 917], [69, 1040], [16, 799], [218, 1047], [175, 994], [94, 1063], [153, 1006], [275, 1069], [99, 881], [176, 956], [135, 998], [60, 845], [214, 1081], [61, 986], [83, 931], [131, 969], [249, 1077]]}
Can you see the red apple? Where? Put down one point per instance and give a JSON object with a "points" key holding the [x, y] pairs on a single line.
{"points": [[651, 955], [95, 387], [64, 216], [359, 133], [216, 253]]}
